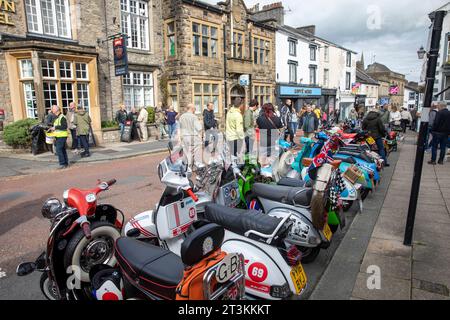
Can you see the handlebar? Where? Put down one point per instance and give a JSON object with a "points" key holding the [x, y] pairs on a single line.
{"points": [[192, 195], [111, 182]]}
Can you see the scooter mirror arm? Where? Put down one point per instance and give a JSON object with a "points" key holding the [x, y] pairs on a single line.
{"points": [[271, 236]]}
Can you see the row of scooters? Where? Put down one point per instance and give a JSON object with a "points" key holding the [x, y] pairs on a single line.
{"points": [[223, 232]]}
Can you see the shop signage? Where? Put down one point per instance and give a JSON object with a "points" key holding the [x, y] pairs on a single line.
{"points": [[384, 101], [120, 56], [394, 90], [300, 91], [6, 8]]}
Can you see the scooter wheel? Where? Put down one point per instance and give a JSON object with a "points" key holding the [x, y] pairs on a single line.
{"points": [[309, 255], [48, 287]]}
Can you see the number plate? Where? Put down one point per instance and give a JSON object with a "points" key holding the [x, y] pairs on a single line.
{"points": [[227, 268], [299, 278], [370, 141], [327, 232]]}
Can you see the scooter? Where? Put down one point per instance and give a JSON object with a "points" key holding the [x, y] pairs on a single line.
{"points": [[270, 260], [147, 272], [82, 235]]}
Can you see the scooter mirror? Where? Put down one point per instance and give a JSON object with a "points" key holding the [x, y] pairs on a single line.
{"points": [[25, 269], [133, 233]]}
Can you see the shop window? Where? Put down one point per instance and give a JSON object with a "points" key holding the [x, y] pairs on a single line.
{"points": [[205, 93], [204, 40], [134, 21], [48, 17], [138, 90]]}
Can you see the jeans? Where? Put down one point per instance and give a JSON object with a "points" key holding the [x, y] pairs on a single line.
{"points": [[294, 127], [75, 139], [381, 151], [235, 147], [438, 140], [249, 142], [122, 127], [85, 144], [60, 145], [172, 130]]}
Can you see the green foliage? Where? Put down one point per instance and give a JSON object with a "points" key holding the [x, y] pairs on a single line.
{"points": [[151, 115], [17, 134], [109, 124]]}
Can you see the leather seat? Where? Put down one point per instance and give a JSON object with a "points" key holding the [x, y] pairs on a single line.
{"points": [[288, 195], [295, 183], [241, 221], [148, 267], [349, 160]]}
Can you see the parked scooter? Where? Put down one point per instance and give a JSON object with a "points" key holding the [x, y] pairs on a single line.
{"points": [[147, 272], [82, 235]]}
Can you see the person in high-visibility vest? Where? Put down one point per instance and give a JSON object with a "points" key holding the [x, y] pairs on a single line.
{"points": [[60, 132]]}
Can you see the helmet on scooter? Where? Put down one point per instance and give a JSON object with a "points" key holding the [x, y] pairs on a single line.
{"points": [[51, 208]]}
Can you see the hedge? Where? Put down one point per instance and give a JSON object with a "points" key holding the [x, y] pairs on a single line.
{"points": [[17, 134]]}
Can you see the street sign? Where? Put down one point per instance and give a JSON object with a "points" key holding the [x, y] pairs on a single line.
{"points": [[120, 56], [244, 80]]}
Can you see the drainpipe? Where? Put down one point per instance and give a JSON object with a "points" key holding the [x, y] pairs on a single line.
{"points": [[225, 67]]}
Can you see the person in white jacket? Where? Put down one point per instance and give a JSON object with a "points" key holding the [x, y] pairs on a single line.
{"points": [[142, 124], [395, 117], [406, 119]]}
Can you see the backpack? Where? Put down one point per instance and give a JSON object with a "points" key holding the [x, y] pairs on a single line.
{"points": [[191, 287]]}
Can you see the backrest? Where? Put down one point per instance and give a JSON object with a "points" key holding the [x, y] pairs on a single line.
{"points": [[201, 243]]}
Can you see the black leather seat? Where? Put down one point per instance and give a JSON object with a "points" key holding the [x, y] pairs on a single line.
{"points": [[148, 267], [294, 183], [349, 160], [241, 221], [287, 195]]}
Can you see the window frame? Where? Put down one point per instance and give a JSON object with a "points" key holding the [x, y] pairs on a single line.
{"points": [[292, 45], [262, 97], [312, 53], [348, 81], [293, 64], [167, 36], [171, 95], [203, 95], [265, 51], [132, 87], [349, 59], [209, 38], [326, 77], [311, 68], [236, 45], [126, 24]]}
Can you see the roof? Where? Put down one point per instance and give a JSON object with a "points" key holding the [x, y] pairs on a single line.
{"points": [[363, 77], [204, 5], [293, 32], [314, 37], [378, 67]]}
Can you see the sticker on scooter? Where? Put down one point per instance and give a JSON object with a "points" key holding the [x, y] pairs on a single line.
{"points": [[208, 245], [192, 213], [257, 272]]}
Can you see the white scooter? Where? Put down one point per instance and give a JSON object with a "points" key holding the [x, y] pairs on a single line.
{"points": [[273, 267]]}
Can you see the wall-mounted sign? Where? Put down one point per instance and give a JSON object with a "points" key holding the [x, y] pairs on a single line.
{"points": [[394, 90], [244, 80], [300, 91], [356, 87], [120, 56], [6, 8]]}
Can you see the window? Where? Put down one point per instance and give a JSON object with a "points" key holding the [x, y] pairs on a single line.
{"points": [[81, 71], [205, 93], [83, 95], [238, 45], [326, 78], [26, 69], [412, 96], [312, 53], [348, 81], [170, 38], [30, 99], [262, 93], [326, 54], [349, 59], [134, 19], [292, 71], [50, 95], [261, 51], [48, 69], [292, 47], [312, 75], [204, 40], [138, 90], [173, 95], [65, 69], [48, 17]]}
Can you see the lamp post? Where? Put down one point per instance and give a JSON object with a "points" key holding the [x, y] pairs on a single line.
{"points": [[433, 55]]}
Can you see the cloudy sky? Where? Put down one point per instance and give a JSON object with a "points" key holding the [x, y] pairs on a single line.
{"points": [[387, 31]]}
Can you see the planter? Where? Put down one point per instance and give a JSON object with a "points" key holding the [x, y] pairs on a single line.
{"points": [[112, 135]]}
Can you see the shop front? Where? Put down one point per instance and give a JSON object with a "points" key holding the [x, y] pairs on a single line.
{"points": [[300, 95], [346, 103], [328, 101]]}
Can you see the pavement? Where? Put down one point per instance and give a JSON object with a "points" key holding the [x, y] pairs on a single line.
{"points": [[372, 263]]}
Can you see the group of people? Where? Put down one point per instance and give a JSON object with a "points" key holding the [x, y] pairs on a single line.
{"points": [[78, 122], [138, 121]]}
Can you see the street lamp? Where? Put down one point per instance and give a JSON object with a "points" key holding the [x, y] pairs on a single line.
{"points": [[421, 53]]}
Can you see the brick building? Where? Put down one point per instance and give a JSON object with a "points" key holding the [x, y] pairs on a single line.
{"points": [[56, 51]]}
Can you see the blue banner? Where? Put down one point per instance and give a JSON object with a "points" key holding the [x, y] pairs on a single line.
{"points": [[120, 56], [300, 91]]}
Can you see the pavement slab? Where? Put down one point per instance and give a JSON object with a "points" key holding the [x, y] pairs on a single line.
{"points": [[391, 288]]}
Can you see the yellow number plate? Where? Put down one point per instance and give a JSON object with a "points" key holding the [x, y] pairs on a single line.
{"points": [[299, 278], [370, 140], [327, 232]]}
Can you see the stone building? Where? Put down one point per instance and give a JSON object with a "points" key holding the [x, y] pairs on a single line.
{"points": [[215, 53], [58, 51]]}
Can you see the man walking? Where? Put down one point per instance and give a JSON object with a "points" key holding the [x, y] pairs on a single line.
{"points": [[432, 117], [142, 124], [191, 135], [249, 126], [171, 116], [160, 121], [235, 127], [121, 118], [440, 132], [83, 123], [210, 126], [72, 127], [309, 123], [406, 119], [61, 132], [287, 119], [373, 124]]}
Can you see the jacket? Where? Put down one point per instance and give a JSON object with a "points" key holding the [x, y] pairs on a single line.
{"points": [[406, 115], [442, 123], [249, 123], [374, 125], [121, 116], [61, 128], [83, 123], [234, 125], [353, 115], [70, 120], [209, 121], [432, 118], [160, 117], [143, 116], [190, 125], [395, 116], [385, 116], [309, 122], [286, 115]]}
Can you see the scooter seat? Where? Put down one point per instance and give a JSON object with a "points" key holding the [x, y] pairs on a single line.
{"points": [[294, 183], [150, 268], [349, 160], [299, 196], [241, 221]]}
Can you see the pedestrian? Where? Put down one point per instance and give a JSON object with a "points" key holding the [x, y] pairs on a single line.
{"points": [[234, 131], [269, 125], [373, 124], [250, 125], [406, 119], [277, 112], [353, 116], [324, 119], [395, 118], [287, 119], [191, 135], [432, 118], [142, 124], [83, 123], [440, 132], [413, 113], [309, 123], [133, 116], [171, 116], [121, 118], [70, 116], [210, 126], [61, 133], [317, 112], [160, 121], [385, 115]]}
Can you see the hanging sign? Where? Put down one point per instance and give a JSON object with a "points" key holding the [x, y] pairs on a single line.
{"points": [[120, 56]]}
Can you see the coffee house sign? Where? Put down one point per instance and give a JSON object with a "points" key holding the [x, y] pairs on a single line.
{"points": [[6, 9]]}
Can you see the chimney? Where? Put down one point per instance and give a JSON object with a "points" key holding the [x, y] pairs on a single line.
{"points": [[271, 11], [308, 29]]}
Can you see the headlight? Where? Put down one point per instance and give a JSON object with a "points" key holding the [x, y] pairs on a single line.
{"points": [[51, 208]]}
